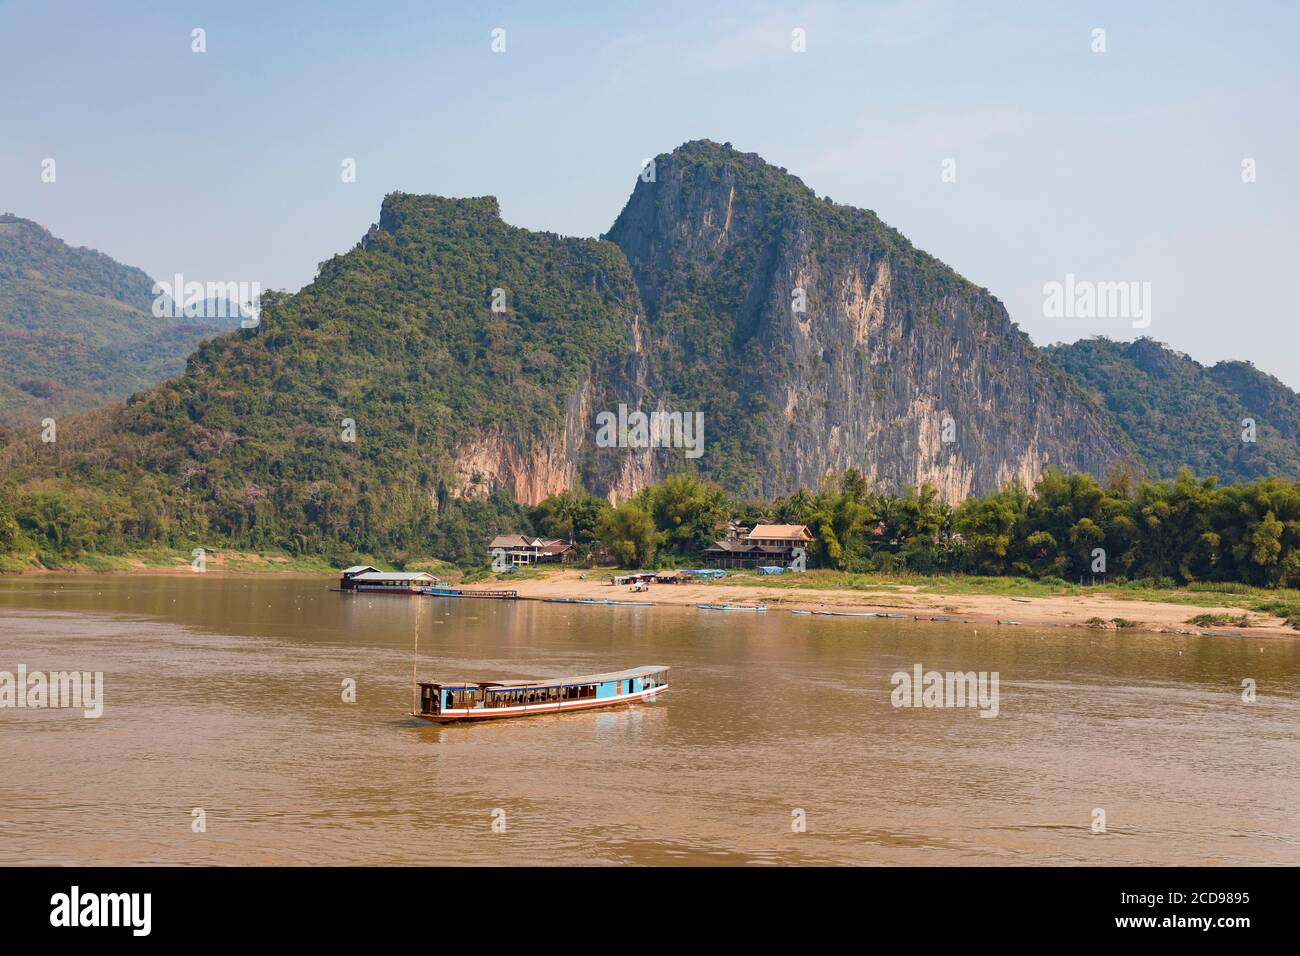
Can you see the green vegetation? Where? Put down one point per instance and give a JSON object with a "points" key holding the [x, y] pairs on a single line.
{"points": [[77, 330], [352, 422], [1220, 620], [1156, 535], [248, 449], [1180, 414]]}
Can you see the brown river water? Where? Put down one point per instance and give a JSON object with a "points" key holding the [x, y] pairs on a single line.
{"points": [[777, 742]]}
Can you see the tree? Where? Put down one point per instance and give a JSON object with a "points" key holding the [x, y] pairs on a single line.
{"points": [[686, 512], [987, 527], [838, 526], [570, 515], [629, 534], [9, 530]]}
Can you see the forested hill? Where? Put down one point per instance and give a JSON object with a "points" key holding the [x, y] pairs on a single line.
{"points": [[76, 328], [350, 415], [1179, 413], [450, 368]]}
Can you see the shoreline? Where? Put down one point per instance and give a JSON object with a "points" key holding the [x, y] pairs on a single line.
{"points": [[1101, 610], [978, 609]]}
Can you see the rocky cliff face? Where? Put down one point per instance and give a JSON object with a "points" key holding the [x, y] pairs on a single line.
{"points": [[814, 338]]}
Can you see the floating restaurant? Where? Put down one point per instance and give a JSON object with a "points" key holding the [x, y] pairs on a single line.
{"points": [[362, 577]]}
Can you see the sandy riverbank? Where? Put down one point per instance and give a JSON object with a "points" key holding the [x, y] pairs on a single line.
{"points": [[987, 609], [1089, 610]]}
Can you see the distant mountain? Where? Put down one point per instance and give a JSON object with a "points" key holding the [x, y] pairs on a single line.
{"points": [[77, 329], [1179, 413]]}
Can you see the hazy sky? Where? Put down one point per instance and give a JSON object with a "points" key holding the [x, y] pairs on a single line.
{"points": [[1117, 166]]}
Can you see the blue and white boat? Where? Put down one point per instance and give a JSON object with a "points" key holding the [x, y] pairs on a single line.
{"points": [[458, 701]]}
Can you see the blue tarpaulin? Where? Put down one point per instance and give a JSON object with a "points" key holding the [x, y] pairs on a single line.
{"points": [[770, 569]]}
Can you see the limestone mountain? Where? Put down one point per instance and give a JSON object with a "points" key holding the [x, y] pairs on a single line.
{"points": [[815, 338], [76, 327], [451, 356], [447, 355], [1179, 413]]}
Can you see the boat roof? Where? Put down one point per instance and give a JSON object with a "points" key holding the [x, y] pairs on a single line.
{"points": [[395, 576], [552, 681]]}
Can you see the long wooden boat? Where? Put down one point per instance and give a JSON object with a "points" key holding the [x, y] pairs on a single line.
{"points": [[732, 607], [458, 701], [462, 593], [847, 614]]}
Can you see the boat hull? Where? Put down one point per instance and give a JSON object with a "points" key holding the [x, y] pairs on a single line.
{"points": [[530, 710]]}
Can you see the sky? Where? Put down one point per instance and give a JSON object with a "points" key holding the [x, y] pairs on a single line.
{"points": [[1126, 164]]}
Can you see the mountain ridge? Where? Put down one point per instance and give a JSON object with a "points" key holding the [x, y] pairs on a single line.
{"points": [[450, 357], [77, 329], [1179, 413]]}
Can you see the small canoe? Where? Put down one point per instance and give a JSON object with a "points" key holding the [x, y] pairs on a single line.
{"points": [[848, 614], [801, 612], [897, 616], [732, 607]]}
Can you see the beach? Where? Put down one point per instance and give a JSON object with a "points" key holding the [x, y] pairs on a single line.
{"points": [[939, 597], [979, 609]]}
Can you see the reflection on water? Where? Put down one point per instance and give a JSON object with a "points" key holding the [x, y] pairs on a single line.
{"points": [[226, 694]]}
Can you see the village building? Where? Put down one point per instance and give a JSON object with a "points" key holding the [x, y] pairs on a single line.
{"points": [[771, 545], [519, 550]]}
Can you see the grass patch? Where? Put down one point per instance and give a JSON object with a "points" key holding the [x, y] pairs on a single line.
{"points": [[1288, 610], [1119, 623], [1220, 620]]}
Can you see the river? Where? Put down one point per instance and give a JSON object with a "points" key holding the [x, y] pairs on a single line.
{"points": [[226, 736]]}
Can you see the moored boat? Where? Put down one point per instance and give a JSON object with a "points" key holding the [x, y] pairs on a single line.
{"points": [[732, 607], [457, 701]]}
